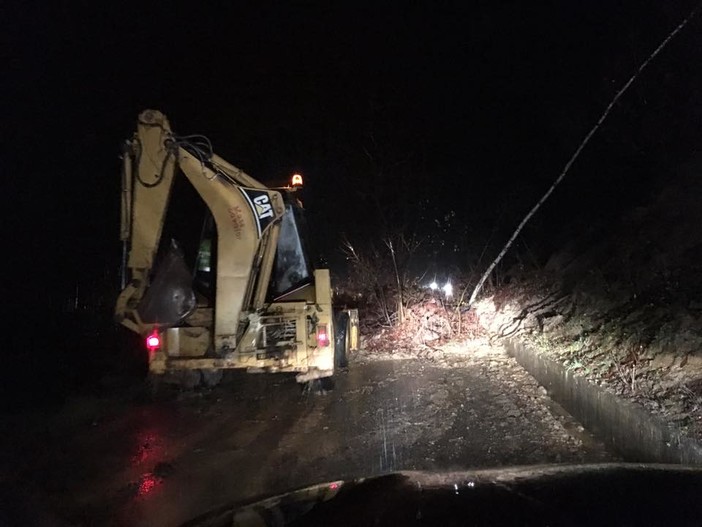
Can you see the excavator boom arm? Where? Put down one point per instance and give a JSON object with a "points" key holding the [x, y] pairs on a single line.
{"points": [[245, 212]]}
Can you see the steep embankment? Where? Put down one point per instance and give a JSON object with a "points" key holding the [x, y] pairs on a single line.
{"points": [[623, 308]]}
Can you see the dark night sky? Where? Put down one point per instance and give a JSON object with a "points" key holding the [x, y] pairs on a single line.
{"points": [[471, 106]]}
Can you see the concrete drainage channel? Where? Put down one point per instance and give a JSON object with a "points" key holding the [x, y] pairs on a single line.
{"points": [[629, 430]]}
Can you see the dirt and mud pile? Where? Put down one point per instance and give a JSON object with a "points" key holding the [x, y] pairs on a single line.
{"points": [[622, 306], [426, 326]]}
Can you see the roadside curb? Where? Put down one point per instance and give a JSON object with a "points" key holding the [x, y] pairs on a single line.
{"points": [[628, 429]]}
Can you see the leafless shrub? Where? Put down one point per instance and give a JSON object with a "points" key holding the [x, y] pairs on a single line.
{"points": [[380, 272]]}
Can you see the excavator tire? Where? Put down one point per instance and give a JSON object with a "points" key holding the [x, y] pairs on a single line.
{"points": [[341, 339], [187, 380], [211, 377], [167, 385], [155, 388], [318, 386], [160, 387]]}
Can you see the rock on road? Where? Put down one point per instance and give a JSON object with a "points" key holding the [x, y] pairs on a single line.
{"points": [[164, 463]]}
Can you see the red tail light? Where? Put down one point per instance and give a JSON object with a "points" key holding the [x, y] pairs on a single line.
{"points": [[322, 336], [153, 341]]}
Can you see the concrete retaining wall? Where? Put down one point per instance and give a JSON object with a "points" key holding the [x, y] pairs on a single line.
{"points": [[628, 429]]}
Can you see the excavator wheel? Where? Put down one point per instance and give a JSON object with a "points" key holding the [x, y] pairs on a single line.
{"points": [[341, 339], [166, 385], [318, 386], [211, 377], [156, 388], [188, 379]]}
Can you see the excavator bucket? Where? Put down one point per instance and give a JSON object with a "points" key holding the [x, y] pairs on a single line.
{"points": [[170, 299]]}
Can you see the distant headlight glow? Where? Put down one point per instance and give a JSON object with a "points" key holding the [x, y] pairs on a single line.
{"points": [[448, 289]]}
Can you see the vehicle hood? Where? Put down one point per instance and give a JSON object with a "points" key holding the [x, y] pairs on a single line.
{"points": [[573, 495]]}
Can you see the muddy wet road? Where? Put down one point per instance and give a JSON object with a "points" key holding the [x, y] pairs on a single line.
{"points": [[119, 463]]}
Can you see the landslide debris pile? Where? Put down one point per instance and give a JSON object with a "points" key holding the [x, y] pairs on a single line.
{"points": [[623, 308], [427, 325]]}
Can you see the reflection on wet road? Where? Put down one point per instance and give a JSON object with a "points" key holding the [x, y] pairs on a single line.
{"points": [[164, 463]]}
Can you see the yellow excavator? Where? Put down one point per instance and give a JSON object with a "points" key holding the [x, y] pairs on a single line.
{"points": [[216, 266]]}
